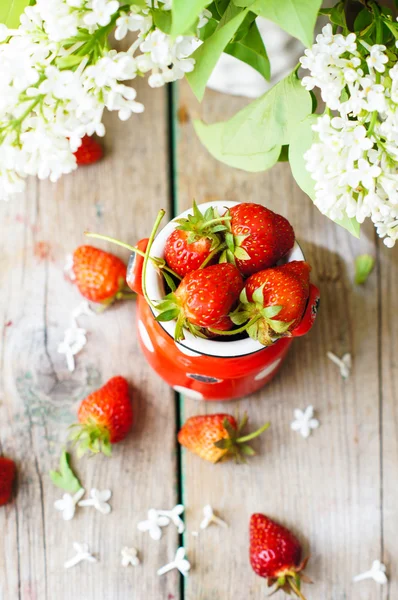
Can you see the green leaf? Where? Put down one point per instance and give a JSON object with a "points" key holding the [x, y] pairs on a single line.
{"points": [[10, 12], [211, 137], [363, 267], [238, 318], [243, 2], [302, 140], [351, 224], [247, 450], [297, 17], [184, 14], [162, 19], [284, 155], [363, 20], [251, 50], [65, 477], [207, 55], [336, 14], [269, 121]]}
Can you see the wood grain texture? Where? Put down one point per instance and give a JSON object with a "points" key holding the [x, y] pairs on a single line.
{"points": [[388, 348], [327, 488], [38, 396]]}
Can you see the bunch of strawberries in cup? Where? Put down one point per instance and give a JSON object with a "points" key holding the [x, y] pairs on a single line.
{"points": [[226, 280]]}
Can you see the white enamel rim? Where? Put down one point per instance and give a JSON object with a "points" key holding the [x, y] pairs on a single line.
{"points": [[155, 289]]}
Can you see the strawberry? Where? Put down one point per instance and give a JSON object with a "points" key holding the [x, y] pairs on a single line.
{"points": [[194, 240], [100, 276], [105, 417], [7, 476], [273, 301], [217, 437], [257, 239], [204, 298], [275, 553], [90, 151]]}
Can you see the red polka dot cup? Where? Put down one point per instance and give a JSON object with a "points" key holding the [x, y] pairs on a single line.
{"points": [[200, 368]]}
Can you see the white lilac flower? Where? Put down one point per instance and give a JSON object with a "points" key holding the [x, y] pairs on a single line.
{"points": [[174, 516], [210, 517], [354, 160], [74, 341], [153, 524], [82, 554], [304, 421], [67, 504], [377, 573], [99, 500], [46, 108], [344, 363], [101, 12], [130, 557], [179, 562]]}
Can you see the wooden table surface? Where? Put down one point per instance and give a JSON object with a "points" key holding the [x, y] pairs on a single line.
{"points": [[338, 489]]}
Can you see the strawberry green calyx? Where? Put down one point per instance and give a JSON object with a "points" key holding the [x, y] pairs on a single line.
{"points": [[65, 478], [91, 437], [171, 308], [208, 225], [235, 444], [261, 322], [290, 580]]}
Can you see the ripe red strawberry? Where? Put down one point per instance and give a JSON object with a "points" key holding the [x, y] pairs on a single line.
{"points": [[105, 417], [194, 239], [204, 298], [100, 276], [217, 437], [258, 237], [275, 553], [7, 476], [273, 301], [90, 151]]}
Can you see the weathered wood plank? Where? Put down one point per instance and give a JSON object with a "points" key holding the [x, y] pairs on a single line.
{"points": [[387, 349], [326, 488], [120, 196]]}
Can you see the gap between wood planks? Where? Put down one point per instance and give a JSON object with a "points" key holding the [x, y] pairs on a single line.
{"points": [[172, 107]]}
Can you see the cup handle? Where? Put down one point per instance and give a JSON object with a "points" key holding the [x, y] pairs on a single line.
{"points": [[310, 313], [134, 268]]}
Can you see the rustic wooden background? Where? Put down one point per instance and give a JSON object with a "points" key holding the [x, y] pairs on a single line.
{"points": [[338, 489]]}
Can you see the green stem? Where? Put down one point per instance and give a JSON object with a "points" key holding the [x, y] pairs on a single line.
{"points": [[218, 220], [235, 331], [251, 436], [160, 216], [296, 590], [125, 296], [212, 254], [157, 261]]}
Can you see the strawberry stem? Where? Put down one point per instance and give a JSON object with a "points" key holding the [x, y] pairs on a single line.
{"points": [[211, 255], [155, 227], [295, 589], [157, 261], [251, 436], [235, 331]]}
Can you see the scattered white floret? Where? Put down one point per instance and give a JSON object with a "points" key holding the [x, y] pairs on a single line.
{"points": [[74, 341], [99, 500], [67, 504], [84, 309], [130, 557], [180, 563], [377, 573], [210, 517], [82, 554], [344, 363], [174, 516], [68, 268], [153, 524], [304, 421]]}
